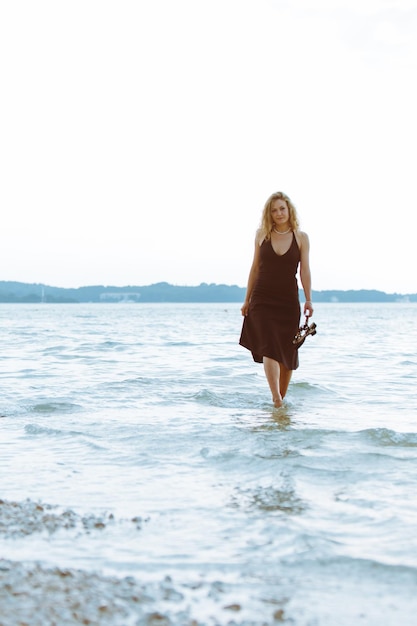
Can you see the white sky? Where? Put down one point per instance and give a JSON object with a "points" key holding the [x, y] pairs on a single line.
{"points": [[140, 139]]}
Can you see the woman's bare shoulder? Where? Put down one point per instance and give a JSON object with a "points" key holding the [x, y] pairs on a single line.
{"points": [[259, 237], [301, 237]]}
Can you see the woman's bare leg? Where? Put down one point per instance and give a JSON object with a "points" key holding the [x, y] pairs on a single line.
{"points": [[278, 377], [284, 379], [272, 373]]}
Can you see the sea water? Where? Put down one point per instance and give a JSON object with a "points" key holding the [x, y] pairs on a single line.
{"points": [[151, 421]]}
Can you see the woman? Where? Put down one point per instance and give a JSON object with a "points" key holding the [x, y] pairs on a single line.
{"points": [[272, 307]]}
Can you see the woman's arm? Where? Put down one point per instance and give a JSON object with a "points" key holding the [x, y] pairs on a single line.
{"points": [[253, 274], [305, 273]]}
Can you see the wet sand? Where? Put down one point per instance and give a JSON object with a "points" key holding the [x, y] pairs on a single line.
{"points": [[32, 594]]}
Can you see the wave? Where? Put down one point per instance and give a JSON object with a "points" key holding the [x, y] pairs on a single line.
{"points": [[35, 429], [136, 381], [178, 344], [55, 407], [390, 438], [234, 400], [57, 349], [302, 390], [248, 396], [356, 567]]}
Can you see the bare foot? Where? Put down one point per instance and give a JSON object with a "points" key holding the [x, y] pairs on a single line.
{"points": [[278, 401]]}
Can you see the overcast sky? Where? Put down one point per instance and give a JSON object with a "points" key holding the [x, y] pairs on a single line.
{"points": [[140, 139]]}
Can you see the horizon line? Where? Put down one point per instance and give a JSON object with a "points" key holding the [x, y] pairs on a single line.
{"points": [[204, 283]]}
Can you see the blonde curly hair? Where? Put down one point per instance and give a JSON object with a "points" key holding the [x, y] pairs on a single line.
{"points": [[267, 224]]}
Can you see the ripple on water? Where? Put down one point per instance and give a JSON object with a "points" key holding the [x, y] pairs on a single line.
{"points": [[386, 437], [55, 407]]}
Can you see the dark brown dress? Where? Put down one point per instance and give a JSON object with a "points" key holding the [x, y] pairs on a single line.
{"points": [[274, 310]]}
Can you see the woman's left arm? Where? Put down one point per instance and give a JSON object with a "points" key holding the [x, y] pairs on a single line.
{"points": [[305, 273]]}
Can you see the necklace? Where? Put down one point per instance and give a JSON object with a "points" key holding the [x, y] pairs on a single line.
{"points": [[279, 233]]}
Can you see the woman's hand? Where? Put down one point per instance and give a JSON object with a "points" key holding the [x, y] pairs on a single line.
{"points": [[308, 308], [245, 308]]}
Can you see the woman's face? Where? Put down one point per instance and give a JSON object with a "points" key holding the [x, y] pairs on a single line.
{"points": [[279, 212]]}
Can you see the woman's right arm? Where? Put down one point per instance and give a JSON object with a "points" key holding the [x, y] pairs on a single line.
{"points": [[253, 275]]}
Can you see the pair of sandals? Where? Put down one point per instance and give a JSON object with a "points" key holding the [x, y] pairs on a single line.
{"points": [[303, 333]]}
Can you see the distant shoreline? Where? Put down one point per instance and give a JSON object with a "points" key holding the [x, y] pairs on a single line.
{"points": [[17, 292]]}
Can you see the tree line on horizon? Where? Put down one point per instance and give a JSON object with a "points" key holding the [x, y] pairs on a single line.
{"points": [[17, 292]]}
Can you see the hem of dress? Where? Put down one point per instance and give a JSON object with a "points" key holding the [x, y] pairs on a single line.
{"points": [[259, 358]]}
